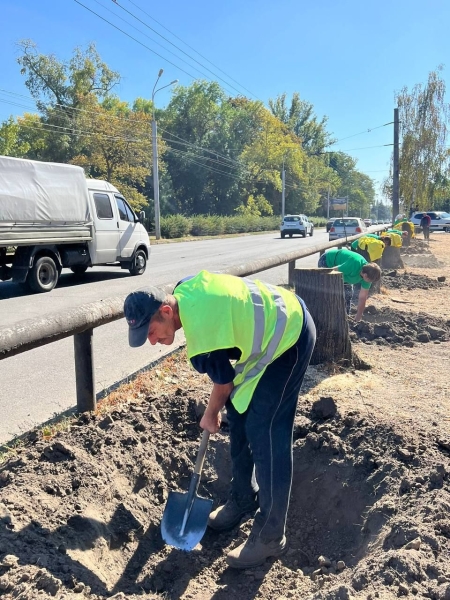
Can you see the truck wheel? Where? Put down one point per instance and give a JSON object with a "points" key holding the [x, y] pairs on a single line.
{"points": [[282, 236], [304, 233], [43, 276], [78, 269], [311, 232], [139, 263]]}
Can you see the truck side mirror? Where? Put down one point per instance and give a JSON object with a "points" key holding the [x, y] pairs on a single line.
{"points": [[141, 216]]}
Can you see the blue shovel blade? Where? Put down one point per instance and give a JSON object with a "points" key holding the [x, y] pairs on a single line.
{"points": [[173, 519]]}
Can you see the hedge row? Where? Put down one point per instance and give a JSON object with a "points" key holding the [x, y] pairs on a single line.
{"points": [[177, 226]]}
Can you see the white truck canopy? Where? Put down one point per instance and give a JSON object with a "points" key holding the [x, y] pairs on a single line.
{"points": [[44, 193]]}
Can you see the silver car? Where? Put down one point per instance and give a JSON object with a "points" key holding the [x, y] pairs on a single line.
{"points": [[345, 227]]}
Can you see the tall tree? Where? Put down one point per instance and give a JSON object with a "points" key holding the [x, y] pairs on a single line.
{"points": [[301, 119], [118, 148], [424, 156], [62, 89], [205, 133]]}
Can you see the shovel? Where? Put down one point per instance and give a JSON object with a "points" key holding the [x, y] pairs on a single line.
{"points": [[186, 515]]}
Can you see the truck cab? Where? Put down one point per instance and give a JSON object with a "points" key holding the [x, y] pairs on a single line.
{"points": [[119, 234]]}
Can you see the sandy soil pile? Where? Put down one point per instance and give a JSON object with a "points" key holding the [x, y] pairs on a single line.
{"points": [[370, 508]]}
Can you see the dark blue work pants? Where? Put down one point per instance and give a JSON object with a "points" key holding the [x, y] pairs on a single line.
{"points": [[261, 438]]}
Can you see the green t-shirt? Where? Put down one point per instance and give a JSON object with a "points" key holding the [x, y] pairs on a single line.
{"points": [[371, 235], [349, 264]]}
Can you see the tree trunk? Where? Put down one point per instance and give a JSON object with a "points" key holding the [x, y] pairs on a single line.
{"points": [[323, 293], [391, 258]]}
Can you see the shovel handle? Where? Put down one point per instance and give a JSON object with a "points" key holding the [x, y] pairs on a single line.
{"points": [[201, 452]]}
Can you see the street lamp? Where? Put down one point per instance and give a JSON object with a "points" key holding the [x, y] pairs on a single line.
{"points": [[155, 154]]}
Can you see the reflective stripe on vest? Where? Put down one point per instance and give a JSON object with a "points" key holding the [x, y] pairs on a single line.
{"points": [[262, 358]]}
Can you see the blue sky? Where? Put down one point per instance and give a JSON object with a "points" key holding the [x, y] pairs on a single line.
{"points": [[347, 57]]}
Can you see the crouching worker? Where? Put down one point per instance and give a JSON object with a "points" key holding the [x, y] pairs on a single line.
{"points": [[370, 246], [355, 271], [268, 331]]}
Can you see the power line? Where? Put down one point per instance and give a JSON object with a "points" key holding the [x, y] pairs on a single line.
{"points": [[186, 143], [366, 148], [196, 51], [63, 108], [174, 45], [360, 133], [148, 37], [133, 38], [215, 160]]}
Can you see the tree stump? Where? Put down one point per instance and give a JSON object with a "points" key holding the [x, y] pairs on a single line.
{"points": [[391, 258], [323, 293]]}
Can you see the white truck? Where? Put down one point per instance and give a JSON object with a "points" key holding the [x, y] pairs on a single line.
{"points": [[52, 217]]}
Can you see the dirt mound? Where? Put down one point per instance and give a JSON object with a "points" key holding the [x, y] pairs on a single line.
{"points": [[395, 280], [388, 326], [80, 514]]}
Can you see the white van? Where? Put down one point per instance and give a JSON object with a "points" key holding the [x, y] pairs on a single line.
{"points": [[52, 217]]}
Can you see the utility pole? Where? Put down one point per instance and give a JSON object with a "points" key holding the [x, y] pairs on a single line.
{"points": [[156, 178], [155, 156], [283, 191], [396, 169]]}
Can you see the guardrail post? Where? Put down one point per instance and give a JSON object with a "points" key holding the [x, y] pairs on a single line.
{"points": [[291, 269], [84, 370]]}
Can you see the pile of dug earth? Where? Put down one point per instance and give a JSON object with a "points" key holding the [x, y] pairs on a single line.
{"points": [[80, 513], [418, 254], [387, 326]]}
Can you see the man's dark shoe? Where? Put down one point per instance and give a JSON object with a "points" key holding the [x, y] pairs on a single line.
{"points": [[255, 551], [229, 515]]}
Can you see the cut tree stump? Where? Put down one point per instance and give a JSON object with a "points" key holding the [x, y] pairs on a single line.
{"points": [[323, 293], [391, 258]]}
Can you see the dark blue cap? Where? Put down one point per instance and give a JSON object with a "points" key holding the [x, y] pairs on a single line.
{"points": [[139, 308]]}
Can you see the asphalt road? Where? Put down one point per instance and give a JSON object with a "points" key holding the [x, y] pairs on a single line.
{"points": [[39, 384]]}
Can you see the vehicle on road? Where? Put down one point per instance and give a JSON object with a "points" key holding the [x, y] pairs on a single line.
{"points": [[52, 217], [345, 227], [368, 222], [330, 223], [296, 225], [440, 220]]}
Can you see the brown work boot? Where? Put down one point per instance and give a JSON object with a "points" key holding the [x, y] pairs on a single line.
{"points": [[229, 515], [255, 551]]}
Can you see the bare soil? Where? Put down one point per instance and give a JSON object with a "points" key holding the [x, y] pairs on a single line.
{"points": [[370, 510]]}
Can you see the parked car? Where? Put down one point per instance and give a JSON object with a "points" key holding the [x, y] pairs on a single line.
{"points": [[330, 223], [296, 224], [346, 227], [440, 221], [368, 222]]}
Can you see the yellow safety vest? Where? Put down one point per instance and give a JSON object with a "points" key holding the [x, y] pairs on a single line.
{"points": [[373, 246], [223, 311]]}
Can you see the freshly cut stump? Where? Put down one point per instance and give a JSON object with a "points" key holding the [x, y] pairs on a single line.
{"points": [[323, 293]]}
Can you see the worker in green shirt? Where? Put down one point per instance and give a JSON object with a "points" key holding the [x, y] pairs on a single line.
{"points": [[355, 270]]}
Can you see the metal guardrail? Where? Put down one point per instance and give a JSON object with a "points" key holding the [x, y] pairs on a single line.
{"points": [[80, 322]]}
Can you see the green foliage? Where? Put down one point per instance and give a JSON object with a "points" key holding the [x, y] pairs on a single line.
{"points": [[206, 225], [301, 120], [218, 155], [424, 155], [255, 206], [10, 142], [175, 226]]}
